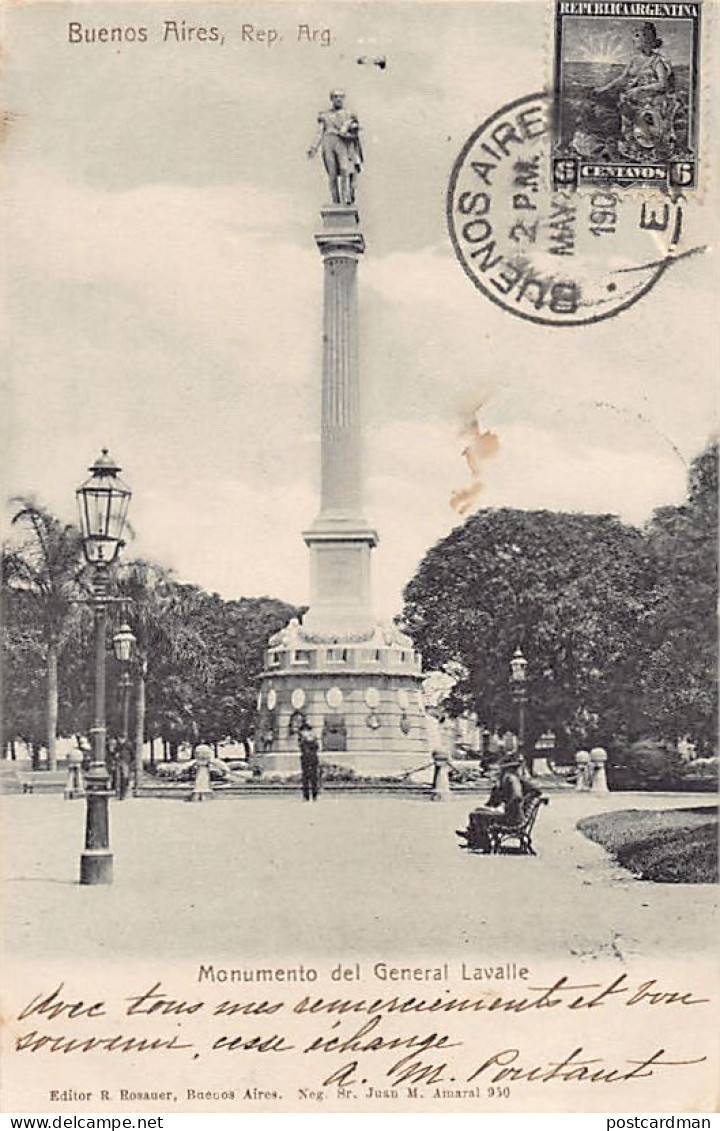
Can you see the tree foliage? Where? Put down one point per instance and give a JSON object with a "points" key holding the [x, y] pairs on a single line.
{"points": [[24, 671], [618, 625], [210, 692], [45, 564], [198, 657], [570, 589], [679, 680]]}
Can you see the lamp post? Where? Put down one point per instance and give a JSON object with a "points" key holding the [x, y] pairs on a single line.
{"points": [[518, 674], [103, 501], [124, 648]]}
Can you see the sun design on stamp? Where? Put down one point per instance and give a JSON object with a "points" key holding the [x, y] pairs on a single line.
{"points": [[602, 47]]}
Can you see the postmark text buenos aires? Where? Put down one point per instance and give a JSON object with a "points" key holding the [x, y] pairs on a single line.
{"points": [[563, 257]]}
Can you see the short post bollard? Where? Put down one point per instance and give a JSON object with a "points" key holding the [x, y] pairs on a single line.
{"points": [[74, 785], [441, 779], [582, 761], [539, 766], [598, 777], [202, 789]]}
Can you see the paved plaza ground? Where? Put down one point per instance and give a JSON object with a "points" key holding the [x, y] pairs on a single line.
{"points": [[349, 875]]}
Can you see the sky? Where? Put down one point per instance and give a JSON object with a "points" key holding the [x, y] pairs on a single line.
{"points": [[165, 293]]}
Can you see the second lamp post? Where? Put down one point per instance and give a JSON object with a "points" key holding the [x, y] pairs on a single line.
{"points": [[518, 674], [124, 648], [103, 502]]}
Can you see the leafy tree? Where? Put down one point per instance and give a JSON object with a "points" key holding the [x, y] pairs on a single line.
{"points": [[46, 564], [238, 639], [158, 612], [23, 672], [571, 589], [679, 679], [76, 676], [198, 657], [216, 697]]}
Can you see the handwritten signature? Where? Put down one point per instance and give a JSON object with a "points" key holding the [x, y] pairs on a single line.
{"points": [[353, 1030]]}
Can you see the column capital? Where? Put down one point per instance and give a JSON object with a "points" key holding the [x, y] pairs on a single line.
{"points": [[343, 245], [340, 531]]}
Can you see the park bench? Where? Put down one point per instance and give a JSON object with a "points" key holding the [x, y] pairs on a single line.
{"points": [[43, 780], [498, 834], [521, 831]]}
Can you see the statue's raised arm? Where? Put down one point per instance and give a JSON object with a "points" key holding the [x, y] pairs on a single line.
{"points": [[339, 138]]}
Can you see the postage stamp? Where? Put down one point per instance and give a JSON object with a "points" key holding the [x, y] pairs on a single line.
{"points": [[626, 94], [554, 255]]}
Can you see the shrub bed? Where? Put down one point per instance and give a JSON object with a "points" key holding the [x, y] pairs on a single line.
{"points": [[653, 765], [675, 846]]}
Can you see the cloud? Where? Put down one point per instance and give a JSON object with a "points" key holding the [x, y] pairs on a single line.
{"points": [[181, 326], [159, 316]]}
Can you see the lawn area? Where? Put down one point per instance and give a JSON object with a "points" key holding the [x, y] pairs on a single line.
{"points": [[669, 846]]}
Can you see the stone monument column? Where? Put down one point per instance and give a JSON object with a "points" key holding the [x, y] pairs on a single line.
{"points": [[340, 540], [356, 681]]}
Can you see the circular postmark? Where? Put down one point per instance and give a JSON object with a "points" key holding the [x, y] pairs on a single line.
{"points": [[553, 256]]}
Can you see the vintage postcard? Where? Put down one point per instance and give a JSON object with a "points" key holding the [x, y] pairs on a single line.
{"points": [[359, 726]]}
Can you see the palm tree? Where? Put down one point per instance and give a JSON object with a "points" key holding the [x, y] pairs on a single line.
{"points": [[158, 613], [48, 566]]}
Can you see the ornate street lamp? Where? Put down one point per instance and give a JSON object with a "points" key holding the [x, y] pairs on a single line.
{"points": [[124, 647], [103, 501], [518, 675]]}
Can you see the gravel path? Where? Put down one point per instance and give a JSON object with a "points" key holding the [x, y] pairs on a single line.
{"points": [[350, 875]]}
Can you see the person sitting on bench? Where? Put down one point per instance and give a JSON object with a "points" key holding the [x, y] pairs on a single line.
{"points": [[510, 792]]}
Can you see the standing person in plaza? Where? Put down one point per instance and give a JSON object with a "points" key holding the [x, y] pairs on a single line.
{"points": [[123, 770], [111, 761], [309, 761], [509, 744]]}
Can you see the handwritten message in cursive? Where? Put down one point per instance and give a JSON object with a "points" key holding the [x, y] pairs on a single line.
{"points": [[369, 1044]]}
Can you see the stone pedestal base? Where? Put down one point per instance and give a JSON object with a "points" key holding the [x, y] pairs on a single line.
{"points": [[340, 552], [363, 697]]}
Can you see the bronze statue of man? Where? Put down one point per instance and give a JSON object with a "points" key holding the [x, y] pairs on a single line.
{"points": [[339, 136]]}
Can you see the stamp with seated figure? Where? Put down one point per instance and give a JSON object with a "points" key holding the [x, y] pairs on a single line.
{"points": [[626, 94], [553, 254]]}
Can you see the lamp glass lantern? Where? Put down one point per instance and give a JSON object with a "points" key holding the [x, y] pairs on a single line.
{"points": [[518, 666], [124, 644], [103, 502]]}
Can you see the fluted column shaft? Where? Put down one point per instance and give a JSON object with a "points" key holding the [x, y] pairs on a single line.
{"points": [[341, 461], [340, 540]]}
